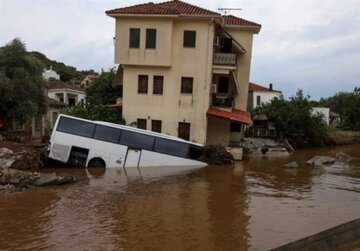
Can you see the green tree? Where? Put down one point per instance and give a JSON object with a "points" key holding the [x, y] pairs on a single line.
{"points": [[102, 92], [21, 83], [294, 119], [347, 104], [99, 94]]}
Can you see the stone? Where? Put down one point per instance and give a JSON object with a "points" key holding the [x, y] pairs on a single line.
{"points": [[319, 160], [343, 157], [65, 180], [46, 179], [5, 151], [291, 165]]}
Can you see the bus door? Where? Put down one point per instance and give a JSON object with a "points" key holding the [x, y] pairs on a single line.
{"points": [[133, 156]]}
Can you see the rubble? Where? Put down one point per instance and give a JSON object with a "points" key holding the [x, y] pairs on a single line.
{"points": [[12, 176], [291, 165], [217, 155], [320, 160]]}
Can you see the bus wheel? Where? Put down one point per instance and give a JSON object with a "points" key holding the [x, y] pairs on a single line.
{"points": [[96, 163]]}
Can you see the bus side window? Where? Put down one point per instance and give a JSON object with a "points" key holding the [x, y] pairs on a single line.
{"points": [[77, 127], [137, 140], [171, 147], [106, 133]]}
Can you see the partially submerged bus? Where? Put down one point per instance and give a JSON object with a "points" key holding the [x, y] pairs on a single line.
{"points": [[89, 143]]}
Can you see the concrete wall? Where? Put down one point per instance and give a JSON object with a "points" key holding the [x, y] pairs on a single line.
{"points": [[339, 237], [323, 111], [218, 131], [265, 97], [173, 107], [161, 56], [245, 38]]}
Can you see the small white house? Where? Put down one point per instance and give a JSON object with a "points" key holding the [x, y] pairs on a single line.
{"points": [[69, 94], [323, 111], [50, 74], [259, 95]]}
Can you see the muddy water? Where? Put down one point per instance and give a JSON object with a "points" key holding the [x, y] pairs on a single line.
{"points": [[255, 205]]}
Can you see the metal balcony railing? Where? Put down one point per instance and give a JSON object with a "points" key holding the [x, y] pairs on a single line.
{"points": [[225, 58], [224, 102]]}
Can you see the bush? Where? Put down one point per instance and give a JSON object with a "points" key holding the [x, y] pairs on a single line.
{"points": [[294, 120]]}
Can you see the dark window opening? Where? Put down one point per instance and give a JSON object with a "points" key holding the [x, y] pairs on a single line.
{"points": [[171, 147], [158, 85], [156, 126], [258, 100], [195, 152], [106, 133], [226, 45], [78, 156], [77, 127], [187, 85], [184, 130], [235, 127], [223, 85], [143, 84], [150, 38], [141, 123], [137, 140], [189, 39], [134, 41]]}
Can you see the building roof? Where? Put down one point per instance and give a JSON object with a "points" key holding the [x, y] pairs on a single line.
{"points": [[259, 88], [233, 115], [174, 7], [57, 84], [237, 21]]}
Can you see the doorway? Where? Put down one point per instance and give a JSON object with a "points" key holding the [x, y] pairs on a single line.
{"points": [[184, 130]]}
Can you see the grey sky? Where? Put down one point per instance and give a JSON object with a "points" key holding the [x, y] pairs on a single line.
{"points": [[309, 44]]}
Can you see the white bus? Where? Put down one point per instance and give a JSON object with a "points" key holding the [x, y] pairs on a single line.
{"points": [[89, 143]]}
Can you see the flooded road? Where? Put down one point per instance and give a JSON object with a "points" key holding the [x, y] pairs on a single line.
{"points": [[254, 205]]}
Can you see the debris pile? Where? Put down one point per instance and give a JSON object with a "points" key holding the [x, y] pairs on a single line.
{"points": [[217, 155]]}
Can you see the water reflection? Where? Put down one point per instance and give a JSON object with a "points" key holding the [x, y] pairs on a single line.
{"points": [[254, 205]]}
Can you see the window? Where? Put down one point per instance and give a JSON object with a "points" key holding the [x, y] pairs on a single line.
{"points": [[258, 100], [195, 152], [106, 133], [171, 147], [186, 85], [150, 38], [18, 126], [184, 130], [77, 127], [158, 85], [223, 85], [156, 126], [134, 41], [143, 84], [137, 140], [235, 127], [141, 123], [189, 39]]}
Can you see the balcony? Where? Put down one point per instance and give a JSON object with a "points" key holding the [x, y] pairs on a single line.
{"points": [[222, 101], [225, 59]]}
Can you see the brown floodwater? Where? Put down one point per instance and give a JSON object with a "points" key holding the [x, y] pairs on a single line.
{"points": [[253, 205]]}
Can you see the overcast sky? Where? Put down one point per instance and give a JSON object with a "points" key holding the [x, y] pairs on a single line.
{"points": [[312, 45]]}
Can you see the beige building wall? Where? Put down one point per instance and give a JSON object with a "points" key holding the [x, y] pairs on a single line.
{"points": [[173, 107], [161, 56], [218, 131], [245, 38]]}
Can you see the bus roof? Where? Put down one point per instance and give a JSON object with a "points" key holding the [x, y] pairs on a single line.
{"points": [[133, 129]]}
